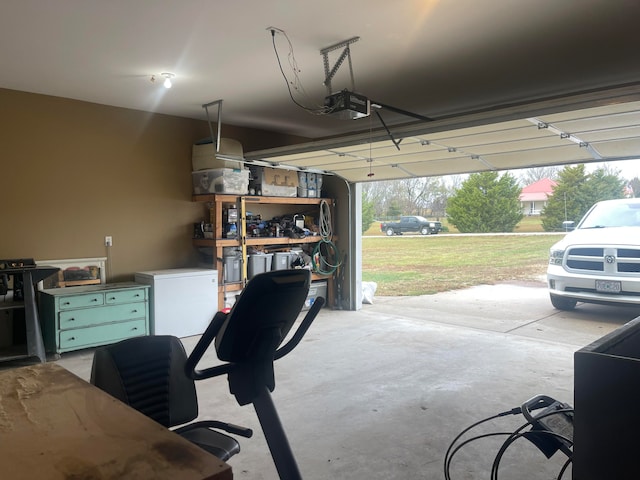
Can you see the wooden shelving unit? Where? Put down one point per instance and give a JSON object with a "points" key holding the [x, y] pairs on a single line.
{"points": [[216, 204]]}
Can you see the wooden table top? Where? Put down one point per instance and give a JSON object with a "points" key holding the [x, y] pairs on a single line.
{"points": [[56, 426]]}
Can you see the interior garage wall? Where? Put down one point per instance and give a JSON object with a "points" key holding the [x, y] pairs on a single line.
{"points": [[73, 172]]}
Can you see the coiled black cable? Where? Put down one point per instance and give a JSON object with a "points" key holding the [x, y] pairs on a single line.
{"points": [[512, 437]]}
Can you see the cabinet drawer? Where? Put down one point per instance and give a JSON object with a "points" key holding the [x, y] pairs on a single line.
{"points": [[125, 296], [80, 301], [101, 334], [95, 316]]}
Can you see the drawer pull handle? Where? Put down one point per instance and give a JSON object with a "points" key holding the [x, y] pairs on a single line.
{"points": [[134, 328], [137, 295], [67, 303], [112, 298], [72, 319], [134, 311], [72, 338], [94, 299]]}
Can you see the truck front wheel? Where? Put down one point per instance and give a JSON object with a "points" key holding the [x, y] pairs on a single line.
{"points": [[562, 303], [389, 232], [424, 231]]}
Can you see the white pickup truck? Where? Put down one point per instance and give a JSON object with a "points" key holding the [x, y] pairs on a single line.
{"points": [[599, 261]]}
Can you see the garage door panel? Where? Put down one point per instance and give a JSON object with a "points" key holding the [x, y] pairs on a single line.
{"points": [[417, 169], [542, 142], [621, 148], [388, 149], [317, 158], [621, 120], [441, 167], [611, 134], [489, 129], [334, 164], [528, 132], [602, 111], [551, 156], [383, 172]]}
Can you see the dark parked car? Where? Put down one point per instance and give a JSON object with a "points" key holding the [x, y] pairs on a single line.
{"points": [[411, 224]]}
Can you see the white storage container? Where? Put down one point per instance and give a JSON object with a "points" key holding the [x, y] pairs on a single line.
{"points": [[220, 180], [302, 180]]}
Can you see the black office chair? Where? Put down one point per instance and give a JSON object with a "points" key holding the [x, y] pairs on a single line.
{"points": [[248, 338], [148, 373]]}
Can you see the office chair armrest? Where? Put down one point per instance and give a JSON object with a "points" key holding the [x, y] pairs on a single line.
{"points": [[302, 329], [227, 427]]}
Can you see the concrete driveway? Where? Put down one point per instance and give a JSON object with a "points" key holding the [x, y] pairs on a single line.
{"points": [[521, 309], [380, 393]]}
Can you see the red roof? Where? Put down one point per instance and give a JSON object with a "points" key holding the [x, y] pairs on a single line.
{"points": [[545, 185], [538, 191]]}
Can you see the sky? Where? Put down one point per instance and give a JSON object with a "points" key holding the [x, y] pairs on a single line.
{"points": [[629, 169]]}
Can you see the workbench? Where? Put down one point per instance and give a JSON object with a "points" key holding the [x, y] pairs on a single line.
{"points": [[56, 426]]}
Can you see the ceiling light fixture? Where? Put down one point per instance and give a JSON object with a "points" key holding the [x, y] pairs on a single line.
{"points": [[167, 79]]}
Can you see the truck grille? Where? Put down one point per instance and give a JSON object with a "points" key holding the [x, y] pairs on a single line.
{"points": [[609, 260]]}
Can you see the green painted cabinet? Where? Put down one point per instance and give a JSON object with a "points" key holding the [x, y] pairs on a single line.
{"points": [[88, 316]]}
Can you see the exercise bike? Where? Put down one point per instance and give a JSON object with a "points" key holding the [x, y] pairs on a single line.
{"points": [[248, 339]]}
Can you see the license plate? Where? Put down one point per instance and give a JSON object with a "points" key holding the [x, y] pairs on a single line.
{"points": [[608, 286]]}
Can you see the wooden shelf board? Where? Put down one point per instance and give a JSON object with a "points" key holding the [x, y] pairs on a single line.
{"points": [[281, 240], [226, 198], [216, 242], [318, 276], [286, 200], [254, 241]]}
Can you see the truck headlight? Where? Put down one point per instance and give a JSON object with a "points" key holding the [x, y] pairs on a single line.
{"points": [[432, 225], [555, 257]]}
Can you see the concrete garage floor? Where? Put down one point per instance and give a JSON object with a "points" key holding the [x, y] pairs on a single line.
{"points": [[380, 393]]}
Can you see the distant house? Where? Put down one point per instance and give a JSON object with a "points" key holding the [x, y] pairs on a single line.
{"points": [[533, 198]]}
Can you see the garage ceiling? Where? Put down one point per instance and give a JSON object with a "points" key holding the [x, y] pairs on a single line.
{"points": [[489, 74]]}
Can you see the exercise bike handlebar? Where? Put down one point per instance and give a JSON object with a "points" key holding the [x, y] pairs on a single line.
{"points": [[214, 328], [201, 347], [301, 330]]}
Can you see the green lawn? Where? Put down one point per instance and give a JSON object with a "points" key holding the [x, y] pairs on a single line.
{"points": [[437, 263], [527, 225]]}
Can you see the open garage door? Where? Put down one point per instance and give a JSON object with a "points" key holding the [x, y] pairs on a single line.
{"points": [[598, 127]]}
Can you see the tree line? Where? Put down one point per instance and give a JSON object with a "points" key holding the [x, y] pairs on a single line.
{"points": [[489, 201]]}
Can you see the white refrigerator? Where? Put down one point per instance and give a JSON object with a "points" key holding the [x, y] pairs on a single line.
{"points": [[182, 301]]}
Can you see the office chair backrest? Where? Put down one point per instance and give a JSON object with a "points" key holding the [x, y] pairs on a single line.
{"points": [[148, 374]]}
